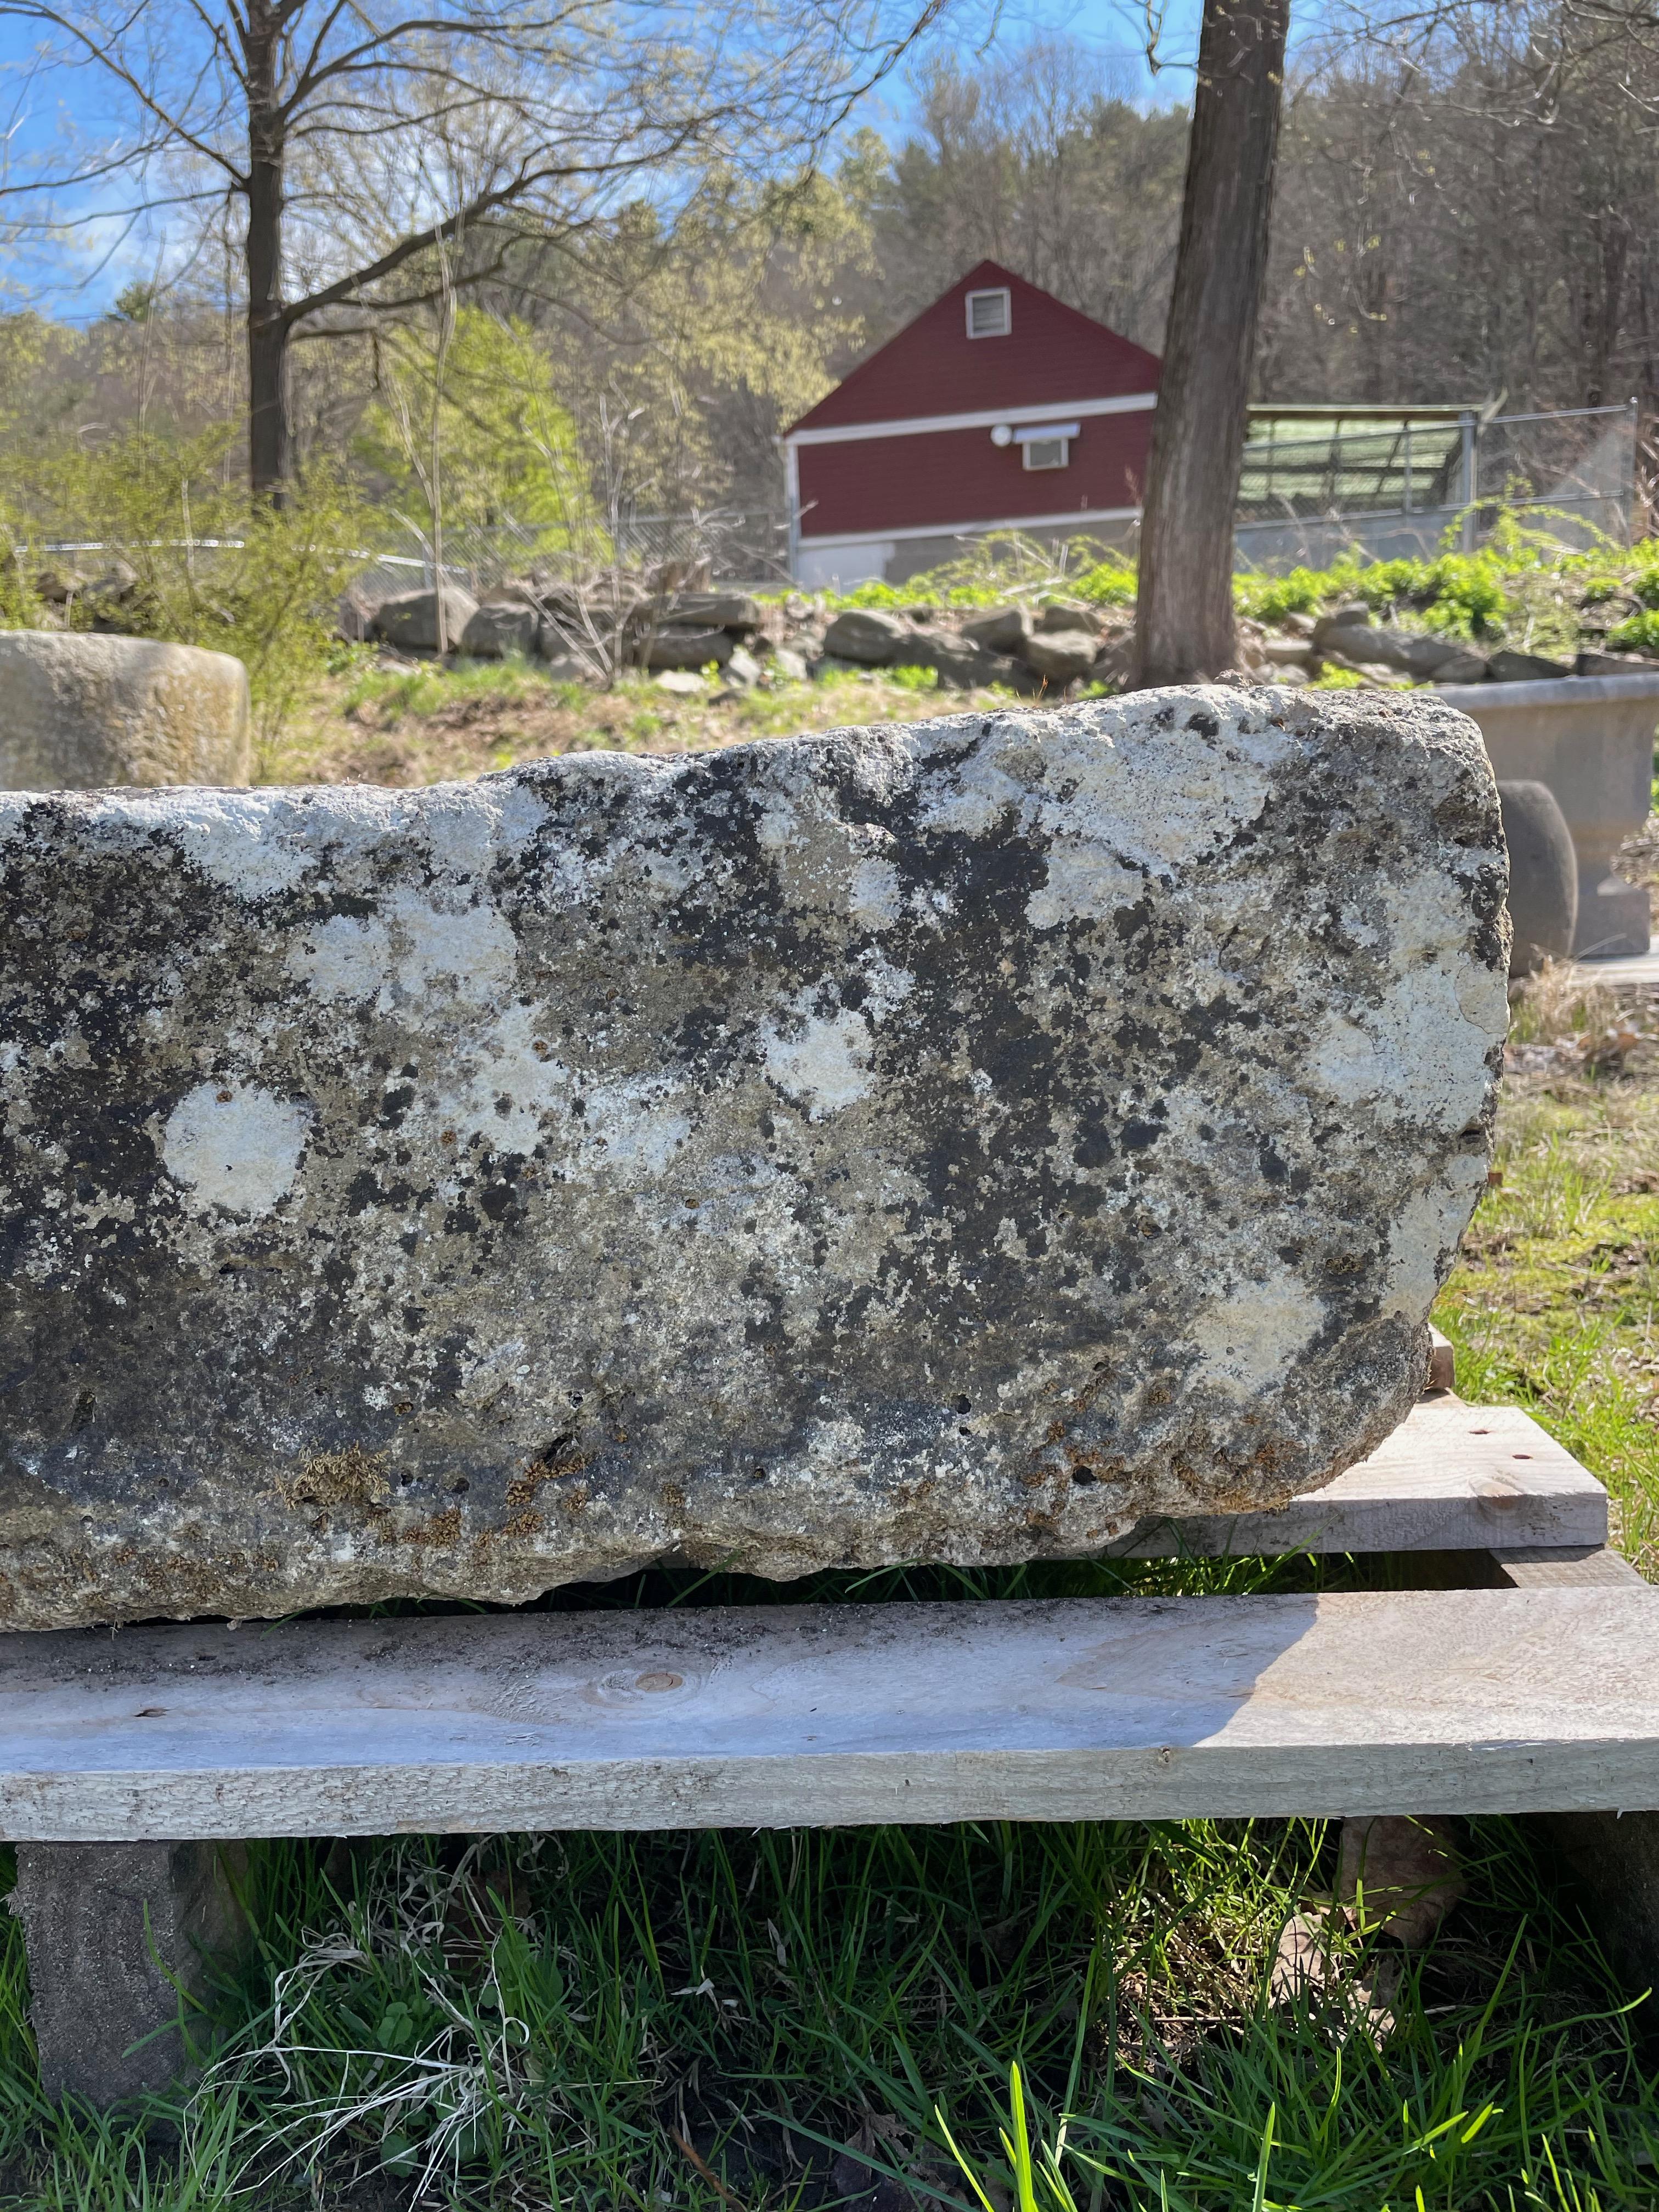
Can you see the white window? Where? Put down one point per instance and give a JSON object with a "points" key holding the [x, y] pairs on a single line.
{"points": [[989, 315], [1047, 444]]}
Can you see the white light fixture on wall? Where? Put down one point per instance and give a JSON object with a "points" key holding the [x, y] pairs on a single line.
{"points": [[1003, 434]]}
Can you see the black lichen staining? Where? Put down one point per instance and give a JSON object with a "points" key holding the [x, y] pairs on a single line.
{"points": [[952, 1140]]}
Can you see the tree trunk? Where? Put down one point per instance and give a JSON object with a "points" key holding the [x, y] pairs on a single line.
{"points": [[1184, 607], [269, 440]]}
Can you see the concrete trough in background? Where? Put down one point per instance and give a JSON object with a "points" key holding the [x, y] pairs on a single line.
{"points": [[1590, 739]]}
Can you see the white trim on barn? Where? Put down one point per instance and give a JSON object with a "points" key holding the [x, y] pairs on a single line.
{"points": [[915, 426], [976, 529]]}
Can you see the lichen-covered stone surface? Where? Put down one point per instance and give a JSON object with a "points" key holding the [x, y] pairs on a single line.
{"points": [[944, 1142]]}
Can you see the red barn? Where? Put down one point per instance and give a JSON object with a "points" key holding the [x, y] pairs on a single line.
{"points": [[997, 408]]}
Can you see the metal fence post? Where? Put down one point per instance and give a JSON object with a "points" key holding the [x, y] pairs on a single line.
{"points": [[1630, 481]]}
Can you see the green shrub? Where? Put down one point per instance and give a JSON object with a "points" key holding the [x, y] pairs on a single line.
{"points": [[1270, 598], [1109, 583], [1640, 634]]}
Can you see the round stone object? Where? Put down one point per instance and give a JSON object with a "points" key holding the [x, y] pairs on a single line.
{"points": [[1543, 876], [83, 713]]}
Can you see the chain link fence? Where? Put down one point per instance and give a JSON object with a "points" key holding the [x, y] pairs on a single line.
{"points": [[1405, 487], [725, 546]]}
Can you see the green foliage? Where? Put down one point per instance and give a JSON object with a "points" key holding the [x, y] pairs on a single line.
{"points": [[1551, 1304], [434, 685], [214, 566], [1457, 594], [480, 407], [21, 606], [914, 679], [1270, 598], [1109, 583], [1639, 633]]}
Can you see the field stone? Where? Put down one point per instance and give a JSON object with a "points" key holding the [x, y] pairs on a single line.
{"points": [[1003, 629], [410, 620], [1417, 654], [672, 646], [867, 636], [1061, 655], [948, 1140], [81, 711], [500, 627], [1507, 666]]}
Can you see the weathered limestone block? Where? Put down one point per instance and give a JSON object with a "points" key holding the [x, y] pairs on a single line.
{"points": [[79, 711], [947, 1141]]}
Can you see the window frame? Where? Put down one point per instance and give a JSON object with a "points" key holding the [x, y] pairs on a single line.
{"points": [[1030, 446], [991, 292]]}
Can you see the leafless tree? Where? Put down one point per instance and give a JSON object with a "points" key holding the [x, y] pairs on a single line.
{"points": [[346, 140]]}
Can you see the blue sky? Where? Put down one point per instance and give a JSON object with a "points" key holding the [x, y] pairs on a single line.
{"points": [[68, 281]]}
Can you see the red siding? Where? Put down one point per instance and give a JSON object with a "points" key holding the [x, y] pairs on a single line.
{"points": [[1052, 354], [868, 487]]}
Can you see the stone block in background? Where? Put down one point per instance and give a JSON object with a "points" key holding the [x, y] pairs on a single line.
{"points": [[674, 647], [1003, 629], [868, 636], [1543, 899], [79, 712], [944, 1141], [1062, 655], [733, 610]]}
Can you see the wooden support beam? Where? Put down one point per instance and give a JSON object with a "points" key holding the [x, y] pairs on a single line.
{"points": [[1452, 1477], [1578, 1567], [1144, 1708], [117, 1938]]}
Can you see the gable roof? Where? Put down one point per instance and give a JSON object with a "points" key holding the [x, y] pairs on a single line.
{"points": [[1052, 354]]}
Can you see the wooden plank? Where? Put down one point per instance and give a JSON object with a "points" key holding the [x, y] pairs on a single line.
{"points": [[1451, 1478], [1443, 1362], [1592, 1567], [1477, 1701]]}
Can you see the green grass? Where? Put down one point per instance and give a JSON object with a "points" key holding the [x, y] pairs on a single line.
{"points": [[707, 2022], [1555, 1304], [597, 2021], [434, 685]]}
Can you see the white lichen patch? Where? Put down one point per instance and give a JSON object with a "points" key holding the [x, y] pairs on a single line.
{"points": [[820, 1060], [233, 1146], [1248, 1342]]}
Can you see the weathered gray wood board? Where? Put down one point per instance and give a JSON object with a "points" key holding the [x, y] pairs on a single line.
{"points": [[1470, 1701], [1452, 1477], [1573, 1568]]}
